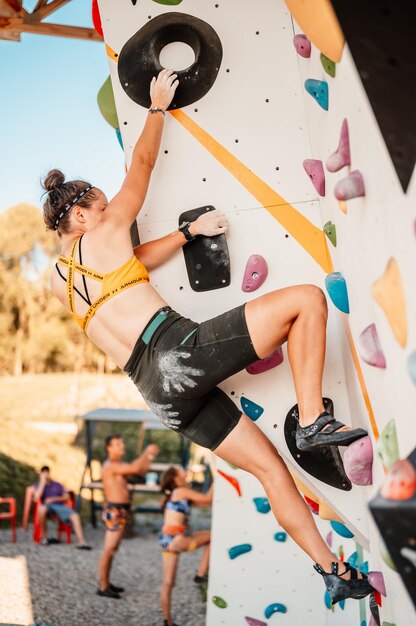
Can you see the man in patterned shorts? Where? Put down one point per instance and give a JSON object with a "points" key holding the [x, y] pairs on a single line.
{"points": [[116, 511]]}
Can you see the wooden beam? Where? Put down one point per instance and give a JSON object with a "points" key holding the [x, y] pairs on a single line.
{"points": [[47, 9], [39, 5], [16, 25], [8, 8]]}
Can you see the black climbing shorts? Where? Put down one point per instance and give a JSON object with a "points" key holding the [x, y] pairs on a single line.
{"points": [[177, 363]]}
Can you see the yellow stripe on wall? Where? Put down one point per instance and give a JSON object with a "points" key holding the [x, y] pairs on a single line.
{"points": [[311, 238]]}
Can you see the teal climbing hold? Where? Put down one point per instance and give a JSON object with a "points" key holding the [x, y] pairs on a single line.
{"points": [[337, 291], [219, 602], [328, 65], [388, 445], [236, 551], [331, 232], [341, 529], [342, 604], [280, 537], [276, 607], [262, 505], [328, 600], [363, 567], [318, 89], [353, 559], [120, 140], [411, 366], [250, 408]]}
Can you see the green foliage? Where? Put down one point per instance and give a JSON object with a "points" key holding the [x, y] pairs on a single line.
{"points": [[14, 478], [37, 333]]}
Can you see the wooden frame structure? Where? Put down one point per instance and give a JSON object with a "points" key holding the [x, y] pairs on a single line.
{"points": [[14, 20]]}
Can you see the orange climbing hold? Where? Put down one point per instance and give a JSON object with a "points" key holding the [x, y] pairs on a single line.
{"points": [[400, 482], [388, 292], [233, 481]]}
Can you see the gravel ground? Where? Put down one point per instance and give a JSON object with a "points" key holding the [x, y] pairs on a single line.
{"points": [[63, 582]]}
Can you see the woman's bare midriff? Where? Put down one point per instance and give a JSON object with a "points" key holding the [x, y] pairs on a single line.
{"points": [[118, 323]]}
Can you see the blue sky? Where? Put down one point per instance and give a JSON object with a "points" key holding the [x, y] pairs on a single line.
{"points": [[49, 114]]}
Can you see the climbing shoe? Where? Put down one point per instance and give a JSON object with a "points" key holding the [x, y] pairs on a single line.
{"points": [[340, 589], [108, 593], [165, 623], [201, 579], [317, 436], [115, 588]]}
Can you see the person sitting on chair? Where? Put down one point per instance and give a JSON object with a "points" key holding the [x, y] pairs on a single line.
{"points": [[53, 498]]}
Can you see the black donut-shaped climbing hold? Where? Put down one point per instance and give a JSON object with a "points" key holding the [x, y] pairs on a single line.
{"points": [[139, 58]]}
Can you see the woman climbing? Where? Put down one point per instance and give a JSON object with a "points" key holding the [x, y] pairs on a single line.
{"points": [[175, 536], [176, 363]]}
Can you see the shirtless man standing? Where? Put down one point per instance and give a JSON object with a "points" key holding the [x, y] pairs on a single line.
{"points": [[117, 507]]}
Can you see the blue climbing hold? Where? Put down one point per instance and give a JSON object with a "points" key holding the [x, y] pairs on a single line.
{"points": [[250, 408], [236, 551], [341, 529], [328, 600], [353, 559], [262, 505], [280, 537], [337, 291], [318, 89], [342, 604], [120, 140], [274, 608], [363, 567]]}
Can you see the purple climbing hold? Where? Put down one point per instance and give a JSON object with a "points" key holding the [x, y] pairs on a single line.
{"points": [[342, 156], [329, 539], [302, 45], [370, 348], [262, 365], [376, 579], [315, 171], [251, 621], [350, 187], [372, 621], [255, 273], [358, 462]]}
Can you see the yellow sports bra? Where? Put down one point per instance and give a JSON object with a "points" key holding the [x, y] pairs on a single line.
{"points": [[132, 273]]}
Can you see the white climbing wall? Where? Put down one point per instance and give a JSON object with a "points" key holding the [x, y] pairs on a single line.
{"points": [[264, 125]]}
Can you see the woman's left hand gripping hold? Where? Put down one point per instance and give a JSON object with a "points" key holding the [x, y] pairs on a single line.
{"points": [[210, 224]]}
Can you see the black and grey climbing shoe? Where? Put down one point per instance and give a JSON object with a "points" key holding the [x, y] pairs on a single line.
{"points": [[317, 436], [340, 589], [201, 579], [108, 593], [115, 588]]}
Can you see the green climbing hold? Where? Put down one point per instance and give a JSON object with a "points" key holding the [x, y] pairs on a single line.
{"points": [[388, 445], [387, 624], [219, 602], [168, 2], [331, 232], [107, 105], [328, 65], [386, 556]]}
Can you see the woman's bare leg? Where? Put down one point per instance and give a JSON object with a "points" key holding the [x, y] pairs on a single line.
{"points": [[249, 448], [170, 565], [298, 315]]}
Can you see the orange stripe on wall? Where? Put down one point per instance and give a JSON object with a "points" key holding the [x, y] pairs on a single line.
{"points": [[311, 238], [111, 53]]}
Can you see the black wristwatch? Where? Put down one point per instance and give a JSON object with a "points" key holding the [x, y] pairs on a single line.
{"points": [[184, 228]]}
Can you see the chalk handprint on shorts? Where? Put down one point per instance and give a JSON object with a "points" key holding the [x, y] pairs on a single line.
{"points": [[175, 375]]}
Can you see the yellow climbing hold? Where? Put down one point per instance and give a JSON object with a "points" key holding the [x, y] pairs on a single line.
{"points": [[343, 206], [388, 292]]}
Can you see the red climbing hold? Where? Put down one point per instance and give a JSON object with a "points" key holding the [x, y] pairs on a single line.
{"points": [[342, 156], [376, 579], [302, 45], [370, 348], [314, 506], [96, 19], [358, 462], [400, 481], [255, 273], [262, 365], [350, 187], [233, 481], [315, 171]]}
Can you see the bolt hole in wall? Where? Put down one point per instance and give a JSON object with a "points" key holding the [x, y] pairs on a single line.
{"points": [[177, 56]]}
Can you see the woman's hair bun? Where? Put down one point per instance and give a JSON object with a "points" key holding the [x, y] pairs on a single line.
{"points": [[53, 180]]}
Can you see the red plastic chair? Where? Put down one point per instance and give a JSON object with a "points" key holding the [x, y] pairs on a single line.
{"points": [[10, 514], [61, 527]]}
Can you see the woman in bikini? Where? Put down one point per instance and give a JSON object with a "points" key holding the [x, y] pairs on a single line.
{"points": [[177, 363], [175, 536]]}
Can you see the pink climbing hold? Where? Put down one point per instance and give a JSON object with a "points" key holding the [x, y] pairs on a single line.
{"points": [[358, 462], [372, 621], [342, 156], [315, 171], [255, 273], [251, 621], [302, 45], [350, 187], [262, 365], [400, 482], [329, 539], [376, 579], [370, 348]]}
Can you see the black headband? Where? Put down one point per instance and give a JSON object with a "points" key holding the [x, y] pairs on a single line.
{"points": [[71, 204]]}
